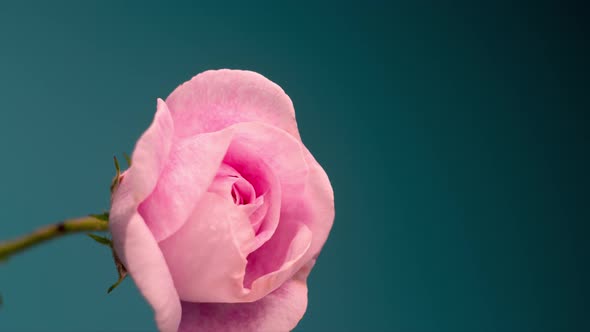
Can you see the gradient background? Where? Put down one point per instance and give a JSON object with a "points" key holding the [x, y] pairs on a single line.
{"points": [[455, 137]]}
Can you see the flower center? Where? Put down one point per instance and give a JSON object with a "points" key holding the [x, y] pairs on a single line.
{"points": [[229, 183], [242, 192]]}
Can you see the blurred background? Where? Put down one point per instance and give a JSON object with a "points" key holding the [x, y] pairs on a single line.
{"points": [[455, 136]]}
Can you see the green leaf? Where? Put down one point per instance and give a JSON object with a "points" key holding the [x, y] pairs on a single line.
{"points": [[121, 271], [117, 177], [127, 158], [113, 286], [101, 239], [103, 216], [117, 167]]}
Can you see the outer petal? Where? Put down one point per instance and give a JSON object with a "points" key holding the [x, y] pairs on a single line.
{"points": [[133, 241], [189, 171], [214, 100], [279, 311], [139, 252], [316, 208], [151, 153]]}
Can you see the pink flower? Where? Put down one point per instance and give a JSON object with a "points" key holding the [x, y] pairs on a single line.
{"points": [[224, 211]]}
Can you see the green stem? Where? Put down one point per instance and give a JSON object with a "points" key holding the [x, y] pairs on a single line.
{"points": [[71, 226]]}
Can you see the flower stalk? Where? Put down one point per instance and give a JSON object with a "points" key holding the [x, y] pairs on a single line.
{"points": [[93, 223]]}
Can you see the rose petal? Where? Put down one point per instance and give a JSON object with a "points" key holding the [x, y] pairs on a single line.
{"points": [[151, 153], [256, 211], [278, 259], [280, 152], [313, 213], [316, 208], [230, 184], [140, 254], [191, 168], [274, 163], [216, 99], [133, 241], [257, 151], [279, 311], [205, 256], [224, 180], [265, 181]]}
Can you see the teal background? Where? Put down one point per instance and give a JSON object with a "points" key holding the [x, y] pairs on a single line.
{"points": [[455, 137]]}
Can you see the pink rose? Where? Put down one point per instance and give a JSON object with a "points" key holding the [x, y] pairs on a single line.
{"points": [[223, 212]]}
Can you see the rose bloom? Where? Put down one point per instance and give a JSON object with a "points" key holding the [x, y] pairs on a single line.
{"points": [[223, 212]]}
